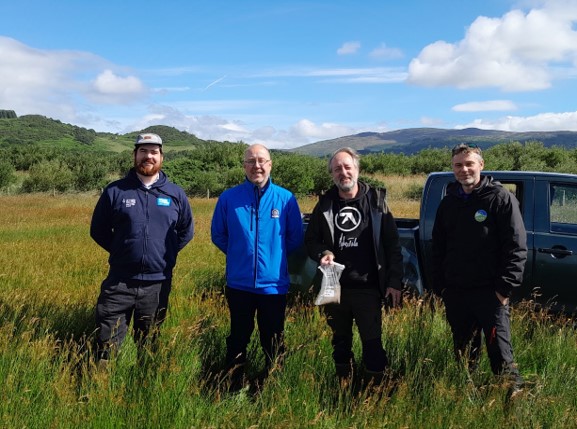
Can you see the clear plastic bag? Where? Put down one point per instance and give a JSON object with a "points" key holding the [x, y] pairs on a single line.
{"points": [[330, 292]]}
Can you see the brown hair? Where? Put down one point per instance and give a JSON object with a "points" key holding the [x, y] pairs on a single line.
{"points": [[353, 153], [466, 148]]}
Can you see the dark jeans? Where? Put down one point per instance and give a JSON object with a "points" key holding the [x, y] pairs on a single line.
{"points": [[270, 316], [121, 301], [471, 313], [364, 307]]}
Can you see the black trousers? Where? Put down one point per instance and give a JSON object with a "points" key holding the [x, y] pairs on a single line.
{"points": [[270, 316], [144, 302], [470, 314], [364, 307]]}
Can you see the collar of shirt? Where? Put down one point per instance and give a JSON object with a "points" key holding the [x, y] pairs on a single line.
{"points": [[151, 183]]}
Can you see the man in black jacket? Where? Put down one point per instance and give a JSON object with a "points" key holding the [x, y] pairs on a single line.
{"points": [[352, 225], [479, 254]]}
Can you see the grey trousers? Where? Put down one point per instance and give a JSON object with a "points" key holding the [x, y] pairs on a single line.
{"points": [[144, 302]]}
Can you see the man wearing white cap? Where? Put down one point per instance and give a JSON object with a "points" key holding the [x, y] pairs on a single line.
{"points": [[142, 221]]}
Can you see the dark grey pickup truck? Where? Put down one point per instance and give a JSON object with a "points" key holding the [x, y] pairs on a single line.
{"points": [[549, 206]]}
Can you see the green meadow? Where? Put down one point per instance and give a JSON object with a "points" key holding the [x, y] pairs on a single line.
{"points": [[50, 275]]}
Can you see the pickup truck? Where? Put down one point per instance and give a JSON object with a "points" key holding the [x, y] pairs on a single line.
{"points": [[549, 207]]}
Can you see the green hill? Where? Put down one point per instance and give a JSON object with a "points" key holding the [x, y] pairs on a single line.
{"points": [[45, 132]]}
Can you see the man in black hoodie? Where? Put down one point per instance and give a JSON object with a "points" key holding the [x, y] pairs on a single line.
{"points": [[352, 225], [479, 254]]}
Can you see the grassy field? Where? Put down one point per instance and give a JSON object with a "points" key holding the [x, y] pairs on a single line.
{"points": [[50, 274]]}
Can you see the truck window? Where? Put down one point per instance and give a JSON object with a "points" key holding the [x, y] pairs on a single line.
{"points": [[563, 208], [516, 189]]}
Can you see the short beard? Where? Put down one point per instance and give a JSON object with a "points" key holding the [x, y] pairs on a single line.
{"points": [[346, 188], [146, 170]]}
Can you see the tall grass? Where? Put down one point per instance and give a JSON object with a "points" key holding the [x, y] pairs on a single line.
{"points": [[50, 274]]}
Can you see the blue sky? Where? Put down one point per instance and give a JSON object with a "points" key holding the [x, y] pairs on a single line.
{"points": [[286, 74]]}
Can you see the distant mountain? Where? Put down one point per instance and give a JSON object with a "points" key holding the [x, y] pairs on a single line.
{"points": [[413, 140], [43, 131]]}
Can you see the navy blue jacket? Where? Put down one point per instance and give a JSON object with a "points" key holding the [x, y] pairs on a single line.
{"points": [[142, 229]]}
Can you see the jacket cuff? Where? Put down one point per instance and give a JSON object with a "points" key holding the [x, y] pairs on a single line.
{"points": [[506, 291]]}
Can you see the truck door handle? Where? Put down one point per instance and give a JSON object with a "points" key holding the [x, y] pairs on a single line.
{"points": [[556, 252]]}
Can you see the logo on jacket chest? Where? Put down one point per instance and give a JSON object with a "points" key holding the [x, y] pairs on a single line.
{"points": [[163, 201], [129, 202], [348, 219], [480, 215]]}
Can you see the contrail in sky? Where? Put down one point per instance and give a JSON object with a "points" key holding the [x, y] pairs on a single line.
{"points": [[214, 83]]}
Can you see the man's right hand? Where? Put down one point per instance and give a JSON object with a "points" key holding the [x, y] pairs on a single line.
{"points": [[327, 259]]}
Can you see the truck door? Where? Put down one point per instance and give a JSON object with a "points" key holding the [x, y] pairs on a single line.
{"points": [[555, 240]]}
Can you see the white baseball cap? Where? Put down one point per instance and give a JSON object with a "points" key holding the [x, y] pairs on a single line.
{"points": [[148, 138]]}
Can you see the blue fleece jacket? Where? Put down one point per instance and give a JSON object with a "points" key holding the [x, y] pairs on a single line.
{"points": [[257, 230], [142, 229]]}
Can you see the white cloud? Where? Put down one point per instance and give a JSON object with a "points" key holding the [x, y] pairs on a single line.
{"points": [[513, 53], [344, 75], [171, 89], [213, 127], [383, 52], [485, 106], [206, 127], [364, 75], [427, 121], [349, 48], [57, 83], [112, 88], [309, 130], [566, 121]]}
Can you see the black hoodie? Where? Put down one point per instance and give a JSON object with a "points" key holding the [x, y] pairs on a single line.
{"points": [[386, 249], [479, 239]]}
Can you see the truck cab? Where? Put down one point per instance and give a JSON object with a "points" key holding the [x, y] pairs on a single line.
{"points": [[548, 202]]}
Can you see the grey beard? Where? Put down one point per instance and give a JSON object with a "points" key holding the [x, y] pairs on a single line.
{"points": [[346, 188]]}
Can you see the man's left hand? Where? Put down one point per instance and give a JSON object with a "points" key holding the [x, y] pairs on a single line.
{"points": [[504, 300], [395, 295]]}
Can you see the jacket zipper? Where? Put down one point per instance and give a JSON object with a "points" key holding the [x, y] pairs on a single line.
{"points": [[256, 216], [146, 223]]}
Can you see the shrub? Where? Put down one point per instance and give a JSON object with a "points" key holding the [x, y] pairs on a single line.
{"points": [[49, 176], [7, 176], [414, 192]]}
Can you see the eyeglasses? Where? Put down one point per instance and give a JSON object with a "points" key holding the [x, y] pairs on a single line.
{"points": [[465, 147], [253, 162]]}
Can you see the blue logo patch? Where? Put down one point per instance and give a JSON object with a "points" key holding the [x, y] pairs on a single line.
{"points": [[163, 201], [481, 215]]}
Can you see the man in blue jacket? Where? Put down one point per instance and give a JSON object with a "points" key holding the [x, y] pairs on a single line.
{"points": [[142, 221], [256, 224]]}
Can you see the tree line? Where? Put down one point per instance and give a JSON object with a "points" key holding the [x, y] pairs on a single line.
{"points": [[210, 169]]}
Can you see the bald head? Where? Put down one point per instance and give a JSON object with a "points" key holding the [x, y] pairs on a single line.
{"points": [[256, 148], [257, 164]]}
